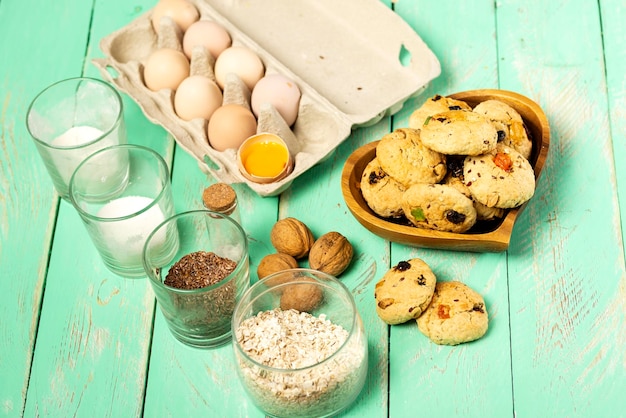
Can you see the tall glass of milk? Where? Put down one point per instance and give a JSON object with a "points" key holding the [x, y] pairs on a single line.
{"points": [[70, 120], [122, 204]]}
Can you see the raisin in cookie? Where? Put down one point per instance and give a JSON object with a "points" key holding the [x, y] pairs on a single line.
{"points": [[439, 207], [432, 106], [382, 193], [404, 291], [456, 314], [501, 179], [509, 124], [459, 132], [402, 155], [454, 178]]}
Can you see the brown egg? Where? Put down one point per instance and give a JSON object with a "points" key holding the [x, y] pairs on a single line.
{"points": [[182, 12], [209, 34], [229, 126], [165, 68], [197, 97]]}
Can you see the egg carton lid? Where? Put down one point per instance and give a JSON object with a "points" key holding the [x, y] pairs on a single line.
{"points": [[355, 61]]}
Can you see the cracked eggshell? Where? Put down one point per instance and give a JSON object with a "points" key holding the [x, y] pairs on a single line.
{"points": [[264, 158]]}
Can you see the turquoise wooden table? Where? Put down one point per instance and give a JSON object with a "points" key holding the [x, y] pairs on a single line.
{"points": [[76, 340]]}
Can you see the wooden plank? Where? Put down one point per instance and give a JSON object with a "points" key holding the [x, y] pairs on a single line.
{"points": [[193, 382], [315, 198], [95, 328], [613, 14], [471, 379], [28, 203], [566, 267]]}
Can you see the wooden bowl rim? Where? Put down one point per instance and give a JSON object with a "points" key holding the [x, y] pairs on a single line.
{"points": [[495, 240]]}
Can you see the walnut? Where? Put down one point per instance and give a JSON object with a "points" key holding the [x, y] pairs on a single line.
{"points": [[273, 263], [302, 297], [331, 254], [292, 237]]}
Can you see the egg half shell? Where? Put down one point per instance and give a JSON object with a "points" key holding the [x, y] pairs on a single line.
{"points": [[264, 158]]}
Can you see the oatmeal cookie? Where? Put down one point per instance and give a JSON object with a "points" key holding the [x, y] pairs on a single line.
{"points": [[439, 207], [402, 155], [457, 314], [382, 193], [501, 179], [454, 178], [404, 291], [432, 106], [509, 124], [459, 132]]}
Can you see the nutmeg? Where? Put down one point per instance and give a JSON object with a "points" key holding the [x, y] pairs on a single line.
{"points": [[273, 263], [291, 236], [302, 297], [331, 253]]}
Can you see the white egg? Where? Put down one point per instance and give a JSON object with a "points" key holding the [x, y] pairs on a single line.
{"points": [[242, 61], [281, 92]]}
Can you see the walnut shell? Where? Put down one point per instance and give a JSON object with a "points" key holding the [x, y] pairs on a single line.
{"points": [[301, 296], [292, 237], [273, 263], [331, 254]]}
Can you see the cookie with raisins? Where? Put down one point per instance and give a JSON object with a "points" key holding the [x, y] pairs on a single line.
{"points": [[459, 132], [404, 157], [381, 192], [439, 207], [432, 106], [500, 179], [456, 314], [509, 124], [404, 291], [454, 178]]}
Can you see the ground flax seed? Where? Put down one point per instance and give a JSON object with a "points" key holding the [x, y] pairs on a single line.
{"points": [[207, 312]]}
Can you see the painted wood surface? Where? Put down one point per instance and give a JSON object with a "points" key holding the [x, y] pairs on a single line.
{"points": [[76, 340]]}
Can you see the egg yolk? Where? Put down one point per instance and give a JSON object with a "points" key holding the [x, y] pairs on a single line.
{"points": [[265, 159]]}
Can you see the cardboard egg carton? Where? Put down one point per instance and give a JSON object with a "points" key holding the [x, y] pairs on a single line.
{"points": [[355, 62]]}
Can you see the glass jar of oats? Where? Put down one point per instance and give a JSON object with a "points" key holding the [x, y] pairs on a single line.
{"points": [[300, 346]]}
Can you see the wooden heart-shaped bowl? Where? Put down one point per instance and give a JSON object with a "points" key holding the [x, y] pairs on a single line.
{"points": [[492, 236]]}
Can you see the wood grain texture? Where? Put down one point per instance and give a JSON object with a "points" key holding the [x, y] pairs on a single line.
{"points": [[28, 203], [95, 327], [76, 340], [613, 13], [566, 268]]}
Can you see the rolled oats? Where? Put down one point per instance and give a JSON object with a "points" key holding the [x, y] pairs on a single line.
{"points": [[292, 376]]}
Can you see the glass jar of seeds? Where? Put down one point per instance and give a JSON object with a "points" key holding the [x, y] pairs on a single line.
{"points": [[199, 276], [299, 343]]}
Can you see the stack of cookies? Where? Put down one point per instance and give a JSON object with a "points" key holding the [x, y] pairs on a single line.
{"points": [[448, 313], [452, 167]]}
